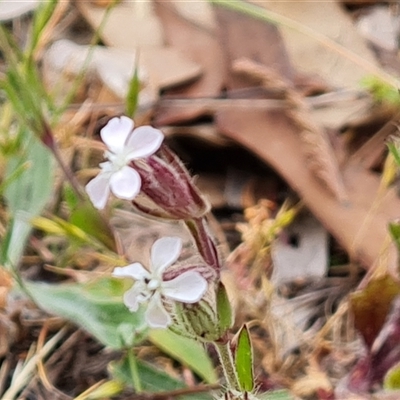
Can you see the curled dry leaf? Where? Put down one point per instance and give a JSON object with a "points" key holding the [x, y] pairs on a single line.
{"points": [[379, 301], [274, 138], [372, 305], [320, 155]]}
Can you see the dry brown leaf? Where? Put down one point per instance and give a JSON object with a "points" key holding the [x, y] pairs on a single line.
{"points": [[359, 227], [198, 45], [308, 55], [321, 158], [141, 27], [244, 36]]}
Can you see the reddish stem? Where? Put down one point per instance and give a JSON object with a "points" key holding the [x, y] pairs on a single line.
{"points": [[199, 230]]}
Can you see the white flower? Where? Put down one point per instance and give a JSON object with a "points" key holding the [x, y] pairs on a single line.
{"points": [[124, 145], [188, 287]]}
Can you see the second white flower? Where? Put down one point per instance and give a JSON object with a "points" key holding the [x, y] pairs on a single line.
{"points": [[188, 287]]}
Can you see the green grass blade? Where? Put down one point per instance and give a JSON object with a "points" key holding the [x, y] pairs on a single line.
{"points": [[132, 97]]}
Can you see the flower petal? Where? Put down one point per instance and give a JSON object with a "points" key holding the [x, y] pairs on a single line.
{"points": [[143, 142], [98, 189], [106, 167], [156, 315], [132, 297], [135, 271], [125, 183], [164, 252], [188, 287], [115, 133]]}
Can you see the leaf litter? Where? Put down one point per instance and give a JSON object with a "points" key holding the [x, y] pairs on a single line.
{"points": [[237, 102]]}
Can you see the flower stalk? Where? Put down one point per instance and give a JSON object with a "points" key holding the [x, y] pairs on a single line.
{"points": [[228, 365], [205, 245], [187, 298]]}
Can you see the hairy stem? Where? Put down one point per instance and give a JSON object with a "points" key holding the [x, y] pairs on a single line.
{"points": [[204, 242], [228, 366]]}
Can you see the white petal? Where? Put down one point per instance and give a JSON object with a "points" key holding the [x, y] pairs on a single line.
{"points": [[135, 271], [188, 287], [98, 189], [143, 142], [164, 252], [115, 133], [106, 166], [132, 297], [125, 183], [156, 315]]}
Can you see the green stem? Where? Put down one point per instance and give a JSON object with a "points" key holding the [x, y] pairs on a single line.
{"points": [[134, 371], [228, 366], [280, 20]]}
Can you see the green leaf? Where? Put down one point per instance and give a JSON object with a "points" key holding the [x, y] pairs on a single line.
{"points": [[224, 309], [89, 220], [394, 229], [152, 379], [187, 351], [60, 227], [244, 360], [394, 149], [26, 196], [392, 378], [31, 191], [133, 92], [96, 307], [13, 176], [70, 197], [381, 91]]}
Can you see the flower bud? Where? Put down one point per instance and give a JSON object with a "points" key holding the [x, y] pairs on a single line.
{"points": [[208, 320], [169, 186]]}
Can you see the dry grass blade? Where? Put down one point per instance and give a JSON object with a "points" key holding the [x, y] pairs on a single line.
{"points": [[52, 24], [317, 146], [24, 374], [4, 371]]}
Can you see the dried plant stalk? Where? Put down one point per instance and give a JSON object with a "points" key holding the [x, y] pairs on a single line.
{"points": [[317, 145]]}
